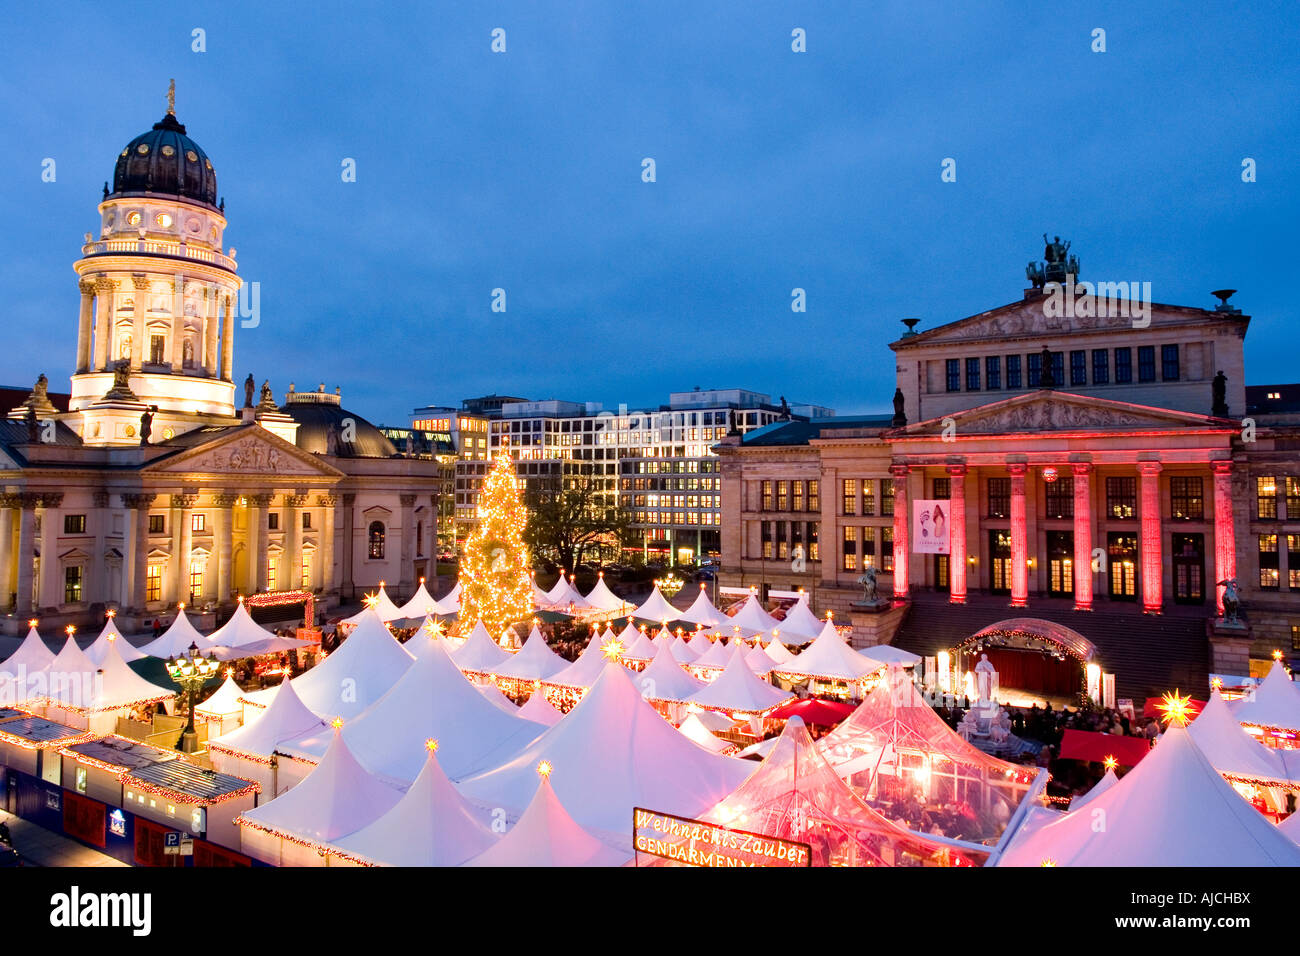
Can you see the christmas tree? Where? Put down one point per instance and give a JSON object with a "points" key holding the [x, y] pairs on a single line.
{"points": [[496, 581]]}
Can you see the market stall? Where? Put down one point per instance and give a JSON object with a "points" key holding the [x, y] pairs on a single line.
{"points": [[250, 751], [830, 667], [1272, 712]]}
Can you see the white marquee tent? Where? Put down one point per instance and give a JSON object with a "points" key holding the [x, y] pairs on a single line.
{"points": [[224, 709], [98, 648], [612, 752], [703, 612], [752, 619], [539, 710], [431, 825], [31, 656], [800, 622], [535, 661], [666, 681], [1236, 754], [247, 752], [420, 604], [738, 690], [176, 640], [1171, 810], [603, 599], [1275, 703], [656, 608], [480, 654], [829, 658], [384, 607]]}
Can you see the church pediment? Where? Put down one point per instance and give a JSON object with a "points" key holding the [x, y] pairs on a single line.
{"points": [[1054, 411], [245, 451], [1109, 309]]}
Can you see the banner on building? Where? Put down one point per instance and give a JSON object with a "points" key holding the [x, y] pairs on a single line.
{"points": [[930, 526]]}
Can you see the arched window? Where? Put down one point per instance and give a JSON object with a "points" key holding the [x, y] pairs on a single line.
{"points": [[376, 537]]}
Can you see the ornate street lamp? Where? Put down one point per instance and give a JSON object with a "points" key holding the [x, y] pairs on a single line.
{"points": [[669, 585], [191, 672]]}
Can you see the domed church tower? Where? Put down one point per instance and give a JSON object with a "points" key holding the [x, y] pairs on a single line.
{"points": [[158, 295]]}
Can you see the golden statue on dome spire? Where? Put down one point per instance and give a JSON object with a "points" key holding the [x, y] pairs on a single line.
{"points": [[171, 97]]}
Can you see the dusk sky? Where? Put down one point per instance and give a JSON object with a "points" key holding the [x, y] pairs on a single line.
{"points": [[775, 170]]}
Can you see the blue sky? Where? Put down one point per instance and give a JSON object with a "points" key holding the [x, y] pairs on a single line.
{"points": [[775, 170]]}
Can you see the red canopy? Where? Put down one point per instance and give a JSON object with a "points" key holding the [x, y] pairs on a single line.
{"points": [[1087, 745], [814, 710]]}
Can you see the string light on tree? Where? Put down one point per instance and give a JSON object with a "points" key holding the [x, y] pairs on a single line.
{"points": [[495, 574]]}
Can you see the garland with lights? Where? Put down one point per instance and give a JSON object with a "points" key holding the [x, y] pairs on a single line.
{"points": [[496, 580], [178, 796]]}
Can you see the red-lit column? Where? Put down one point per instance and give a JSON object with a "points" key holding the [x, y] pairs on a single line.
{"points": [[1225, 535], [1019, 537], [957, 534], [1149, 543], [1082, 536], [902, 544]]}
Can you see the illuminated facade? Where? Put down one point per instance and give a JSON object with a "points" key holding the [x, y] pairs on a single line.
{"points": [[1090, 464], [166, 481]]}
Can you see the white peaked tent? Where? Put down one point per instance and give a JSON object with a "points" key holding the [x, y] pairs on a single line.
{"points": [[450, 601], [540, 598], [241, 631], [682, 651], [71, 659], [433, 699], [1101, 786], [829, 658], [778, 651], [98, 648], [889, 654], [640, 648], [176, 640], [738, 690], [365, 665], [247, 752], [114, 691], [703, 612], [31, 656], [225, 708], [432, 825], [701, 643], [801, 622], [564, 594], [753, 619], [696, 731], [420, 604], [759, 662], [603, 599], [479, 654], [656, 608], [1171, 810], [716, 656], [583, 672], [666, 681], [664, 636], [383, 606], [496, 698], [68, 681], [539, 710], [535, 661], [337, 798], [1236, 754], [612, 752], [1276, 702], [546, 835]]}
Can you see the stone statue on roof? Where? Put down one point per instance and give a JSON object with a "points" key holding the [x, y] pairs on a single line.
{"points": [[249, 385]]}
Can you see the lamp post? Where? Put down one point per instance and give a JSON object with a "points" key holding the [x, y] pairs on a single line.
{"points": [[191, 672]]}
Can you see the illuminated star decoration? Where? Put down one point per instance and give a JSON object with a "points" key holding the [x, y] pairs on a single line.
{"points": [[32, 622], [613, 650], [1110, 763], [1217, 683], [1176, 708], [370, 600], [431, 745], [1048, 861], [1277, 655], [337, 724], [544, 769], [434, 629]]}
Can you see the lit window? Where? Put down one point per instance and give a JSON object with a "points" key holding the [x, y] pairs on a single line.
{"points": [[163, 220]]}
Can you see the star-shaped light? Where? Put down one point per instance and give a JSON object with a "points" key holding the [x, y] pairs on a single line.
{"points": [[434, 629], [112, 613], [431, 745], [72, 629], [1277, 655], [1048, 861], [337, 724], [613, 650], [1176, 708], [370, 600], [544, 769], [33, 621], [1110, 763]]}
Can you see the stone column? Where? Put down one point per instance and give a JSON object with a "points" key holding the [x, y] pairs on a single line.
{"points": [[224, 542], [83, 324], [178, 325], [293, 514], [105, 306], [957, 534], [7, 503], [1225, 535], [1019, 536], [406, 573], [137, 559], [96, 583], [1149, 540], [211, 319], [347, 586], [140, 300], [26, 553], [325, 561], [48, 593], [183, 513], [902, 525], [258, 538], [1082, 536], [228, 339]]}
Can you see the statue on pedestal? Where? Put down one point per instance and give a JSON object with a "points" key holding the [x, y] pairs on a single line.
{"points": [[1219, 408], [870, 592], [985, 674], [249, 385], [1231, 602]]}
